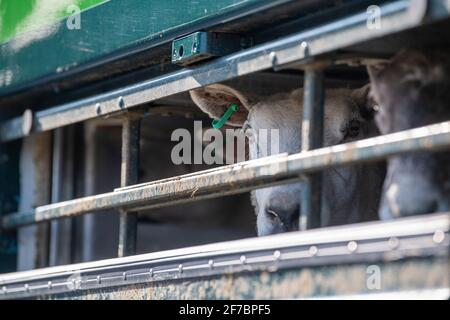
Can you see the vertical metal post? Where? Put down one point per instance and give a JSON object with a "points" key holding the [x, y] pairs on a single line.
{"points": [[35, 185], [129, 175], [312, 136]]}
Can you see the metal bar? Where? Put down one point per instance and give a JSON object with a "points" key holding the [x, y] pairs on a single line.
{"points": [[378, 242], [396, 16], [242, 177], [324, 280], [131, 132], [57, 172], [35, 190], [312, 137], [60, 242]]}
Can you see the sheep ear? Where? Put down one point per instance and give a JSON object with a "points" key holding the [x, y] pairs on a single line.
{"points": [[374, 70], [215, 99], [364, 100]]}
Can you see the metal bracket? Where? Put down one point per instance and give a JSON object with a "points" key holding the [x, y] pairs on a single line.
{"points": [[203, 45]]}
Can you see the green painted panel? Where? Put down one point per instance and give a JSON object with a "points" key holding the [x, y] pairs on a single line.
{"points": [[17, 17], [104, 30]]}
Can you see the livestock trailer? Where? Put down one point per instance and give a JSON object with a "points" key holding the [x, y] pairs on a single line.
{"points": [[90, 91]]}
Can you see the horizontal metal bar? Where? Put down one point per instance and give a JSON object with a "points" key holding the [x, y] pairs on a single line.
{"points": [[242, 177], [375, 242], [396, 16]]}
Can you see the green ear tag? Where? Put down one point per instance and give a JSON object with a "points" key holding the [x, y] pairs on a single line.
{"points": [[217, 124]]}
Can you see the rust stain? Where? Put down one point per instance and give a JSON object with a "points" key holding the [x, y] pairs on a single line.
{"points": [[292, 284]]}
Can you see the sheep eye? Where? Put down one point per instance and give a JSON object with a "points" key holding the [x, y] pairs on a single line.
{"points": [[353, 128], [273, 215]]}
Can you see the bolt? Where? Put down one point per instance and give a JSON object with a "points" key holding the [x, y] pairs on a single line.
{"points": [[98, 108], [438, 236], [393, 242], [211, 264], [352, 246], [121, 102], [243, 259], [304, 47], [313, 251], [180, 268], [273, 58], [277, 255]]}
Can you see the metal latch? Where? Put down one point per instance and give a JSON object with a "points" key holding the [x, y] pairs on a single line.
{"points": [[204, 45]]}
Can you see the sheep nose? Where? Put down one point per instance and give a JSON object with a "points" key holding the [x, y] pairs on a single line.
{"points": [[284, 218]]}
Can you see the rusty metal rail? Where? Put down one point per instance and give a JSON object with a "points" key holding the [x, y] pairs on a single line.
{"points": [[345, 251], [241, 177]]}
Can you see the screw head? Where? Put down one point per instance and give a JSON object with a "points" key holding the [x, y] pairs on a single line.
{"points": [[352, 246], [273, 58], [304, 47], [121, 102], [438, 236], [313, 251], [393, 242], [277, 254]]}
